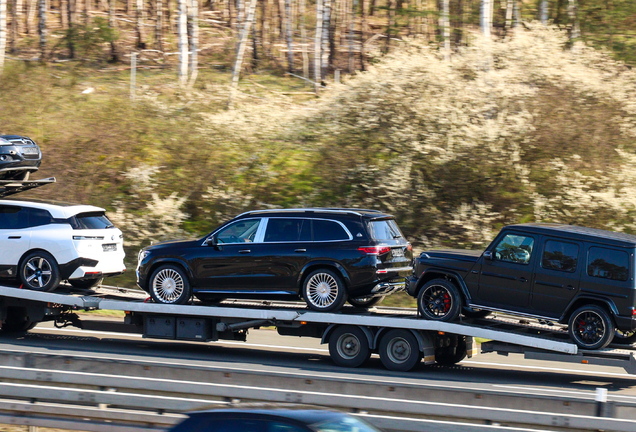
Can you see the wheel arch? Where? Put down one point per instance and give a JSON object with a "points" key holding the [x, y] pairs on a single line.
{"points": [[329, 265], [587, 300], [435, 273], [367, 332], [168, 261], [424, 340], [30, 251]]}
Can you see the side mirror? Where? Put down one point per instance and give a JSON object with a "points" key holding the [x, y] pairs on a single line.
{"points": [[488, 255], [212, 241]]}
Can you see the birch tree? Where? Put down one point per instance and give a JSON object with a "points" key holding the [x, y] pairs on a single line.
{"points": [[484, 17], [112, 23], [352, 24], [288, 25], [14, 25], [326, 24], [363, 34], [3, 32], [159, 26], [30, 18], [303, 38], [317, 46], [193, 25], [575, 30], [42, 27], [182, 29], [140, 17], [509, 11], [243, 41], [543, 12], [445, 24], [71, 27], [87, 11]]}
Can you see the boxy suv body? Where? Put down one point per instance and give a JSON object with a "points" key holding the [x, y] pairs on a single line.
{"points": [[325, 256], [580, 276], [42, 244]]}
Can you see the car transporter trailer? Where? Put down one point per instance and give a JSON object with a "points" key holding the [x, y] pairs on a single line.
{"points": [[398, 335]]}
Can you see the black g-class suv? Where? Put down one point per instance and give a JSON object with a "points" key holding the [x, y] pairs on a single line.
{"points": [[325, 256], [580, 276]]}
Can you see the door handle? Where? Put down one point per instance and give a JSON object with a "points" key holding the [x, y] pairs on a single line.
{"points": [[300, 250], [522, 279], [244, 251], [570, 287], [15, 237]]}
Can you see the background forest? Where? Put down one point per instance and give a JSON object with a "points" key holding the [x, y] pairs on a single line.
{"points": [[457, 116]]}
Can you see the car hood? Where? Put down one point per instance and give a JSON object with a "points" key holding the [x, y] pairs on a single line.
{"points": [[172, 243], [459, 254]]}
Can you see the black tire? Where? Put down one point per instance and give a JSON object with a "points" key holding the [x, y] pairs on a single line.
{"points": [[86, 283], [39, 272], [169, 284], [349, 346], [591, 327], [365, 302], [449, 356], [475, 313], [17, 322], [399, 350], [324, 291], [624, 338], [439, 300]]}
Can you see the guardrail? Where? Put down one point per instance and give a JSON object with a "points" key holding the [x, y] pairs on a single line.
{"points": [[106, 394]]}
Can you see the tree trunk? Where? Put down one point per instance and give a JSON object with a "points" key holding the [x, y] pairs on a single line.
{"points": [[290, 45], [445, 25], [182, 28], [30, 18], [265, 27], [240, 14], [14, 26], [317, 46], [140, 15], [129, 7], [243, 41], [19, 7], [575, 30], [42, 27], [87, 11], [3, 32], [509, 10], [325, 51], [352, 27], [193, 10], [159, 26], [372, 8], [303, 37], [64, 14], [71, 27], [364, 31], [390, 25], [484, 21], [112, 23], [543, 12]]}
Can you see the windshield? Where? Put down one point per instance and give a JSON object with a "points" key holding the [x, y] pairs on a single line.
{"points": [[344, 424], [384, 230]]}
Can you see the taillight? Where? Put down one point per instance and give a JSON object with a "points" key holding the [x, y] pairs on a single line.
{"points": [[633, 311], [409, 247], [374, 250]]}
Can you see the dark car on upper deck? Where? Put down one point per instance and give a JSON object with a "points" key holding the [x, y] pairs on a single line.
{"points": [[324, 256], [581, 277], [19, 157]]}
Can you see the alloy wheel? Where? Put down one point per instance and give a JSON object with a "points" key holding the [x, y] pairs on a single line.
{"points": [[38, 272], [322, 290], [437, 301], [589, 327], [168, 285]]}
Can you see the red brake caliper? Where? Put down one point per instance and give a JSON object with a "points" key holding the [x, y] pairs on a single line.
{"points": [[447, 302]]}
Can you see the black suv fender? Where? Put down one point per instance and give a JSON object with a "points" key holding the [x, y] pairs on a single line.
{"points": [[313, 265], [586, 300], [169, 260], [435, 273]]}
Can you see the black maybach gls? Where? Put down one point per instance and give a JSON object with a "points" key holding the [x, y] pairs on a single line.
{"points": [[324, 256]]}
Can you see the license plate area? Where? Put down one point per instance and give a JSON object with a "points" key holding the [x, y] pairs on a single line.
{"points": [[397, 253], [30, 150], [109, 247]]}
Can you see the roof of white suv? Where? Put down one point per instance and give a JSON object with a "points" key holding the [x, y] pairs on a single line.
{"points": [[58, 211]]}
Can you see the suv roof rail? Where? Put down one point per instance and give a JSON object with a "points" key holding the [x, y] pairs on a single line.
{"points": [[12, 187], [357, 212]]}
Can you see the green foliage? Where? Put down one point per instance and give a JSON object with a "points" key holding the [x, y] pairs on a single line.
{"points": [[89, 40]]}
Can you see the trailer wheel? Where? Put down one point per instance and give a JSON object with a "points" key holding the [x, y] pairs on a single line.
{"points": [[169, 285], [448, 356], [39, 271], [624, 338], [17, 321], [439, 300], [399, 350], [591, 327], [349, 346], [365, 302]]}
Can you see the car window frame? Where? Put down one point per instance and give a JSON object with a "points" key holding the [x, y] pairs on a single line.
{"points": [[502, 235], [598, 279], [311, 218], [581, 247], [258, 238]]}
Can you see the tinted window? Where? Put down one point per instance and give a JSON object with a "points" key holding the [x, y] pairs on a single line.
{"points": [[515, 248], [325, 230], [13, 217], [282, 230], [243, 231], [384, 230], [607, 263], [97, 220], [39, 217], [560, 256]]}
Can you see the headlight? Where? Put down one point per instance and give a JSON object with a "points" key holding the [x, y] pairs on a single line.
{"points": [[143, 254]]}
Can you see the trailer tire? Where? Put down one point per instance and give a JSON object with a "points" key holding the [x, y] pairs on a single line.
{"points": [[591, 327], [17, 322], [399, 350], [39, 266], [349, 346], [449, 356], [169, 284], [439, 300]]}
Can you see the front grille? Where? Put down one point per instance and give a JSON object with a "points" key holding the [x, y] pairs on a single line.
{"points": [[31, 156], [21, 142]]}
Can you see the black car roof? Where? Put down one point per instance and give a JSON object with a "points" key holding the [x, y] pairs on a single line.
{"points": [[573, 231], [303, 416], [321, 210]]}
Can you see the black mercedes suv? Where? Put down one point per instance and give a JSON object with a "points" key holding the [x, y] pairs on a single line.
{"points": [[19, 157], [324, 256], [580, 276]]}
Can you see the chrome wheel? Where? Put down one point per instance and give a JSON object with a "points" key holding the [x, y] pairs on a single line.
{"points": [[168, 285], [399, 350], [37, 272], [322, 290], [348, 346]]}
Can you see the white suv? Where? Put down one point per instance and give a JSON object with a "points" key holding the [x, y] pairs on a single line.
{"points": [[43, 244]]}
